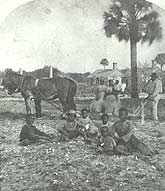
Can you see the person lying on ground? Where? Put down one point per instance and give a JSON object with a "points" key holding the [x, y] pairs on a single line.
{"points": [[123, 133], [106, 143], [89, 131], [30, 134]]}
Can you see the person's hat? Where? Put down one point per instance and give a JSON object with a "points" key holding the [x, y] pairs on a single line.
{"points": [[154, 74], [29, 117], [104, 115], [71, 112], [93, 131]]}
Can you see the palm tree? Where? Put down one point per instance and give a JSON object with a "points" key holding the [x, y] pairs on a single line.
{"points": [[160, 59], [134, 21], [104, 62]]}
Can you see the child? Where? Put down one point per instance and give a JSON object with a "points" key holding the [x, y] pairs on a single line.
{"points": [[30, 134], [106, 142], [89, 130], [124, 137], [71, 128]]}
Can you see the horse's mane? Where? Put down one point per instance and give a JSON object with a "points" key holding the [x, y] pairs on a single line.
{"points": [[10, 71]]}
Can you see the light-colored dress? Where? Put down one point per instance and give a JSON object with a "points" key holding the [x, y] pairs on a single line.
{"points": [[117, 87], [110, 102], [97, 105]]}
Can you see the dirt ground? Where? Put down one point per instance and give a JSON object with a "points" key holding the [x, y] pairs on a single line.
{"points": [[74, 166]]}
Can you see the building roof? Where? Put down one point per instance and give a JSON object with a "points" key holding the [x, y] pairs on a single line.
{"points": [[124, 73], [107, 73]]}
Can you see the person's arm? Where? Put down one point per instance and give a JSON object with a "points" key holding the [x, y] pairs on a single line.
{"points": [[24, 133], [117, 89], [64, 128], [157, 88], [40, 133], [112, 131], [129, 129]]}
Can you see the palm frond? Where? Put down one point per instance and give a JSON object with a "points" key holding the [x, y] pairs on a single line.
{"points": [[134, 18], [153, 32]]}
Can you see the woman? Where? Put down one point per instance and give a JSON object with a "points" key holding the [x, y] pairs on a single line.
{"points": [[110, 101], [96, 106]]}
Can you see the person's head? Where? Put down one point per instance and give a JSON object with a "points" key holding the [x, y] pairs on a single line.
{"points": [[104, 131], [123, 113], [84, 113], [110, 82], [93, 132], [30, 119], [154, 75], [104, 117], [71, 115], [117, 82], [101, 82]]}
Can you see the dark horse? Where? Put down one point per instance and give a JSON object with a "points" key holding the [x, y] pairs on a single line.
{"points": [[41, 89]]}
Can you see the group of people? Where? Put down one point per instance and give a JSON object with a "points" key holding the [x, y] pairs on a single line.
{"points": [[107, 98], [117, 138]]}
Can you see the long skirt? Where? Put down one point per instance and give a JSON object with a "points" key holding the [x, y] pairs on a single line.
{"points": [[111, 105]]}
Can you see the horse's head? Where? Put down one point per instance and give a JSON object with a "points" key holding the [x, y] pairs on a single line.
{"points": [[8, 82]]}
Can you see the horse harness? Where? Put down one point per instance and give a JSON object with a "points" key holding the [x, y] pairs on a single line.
{"points": [[21, 81], [20, 84], [36, 82]]}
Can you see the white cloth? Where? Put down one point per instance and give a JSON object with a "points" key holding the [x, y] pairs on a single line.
{"points": [[123, 86]]}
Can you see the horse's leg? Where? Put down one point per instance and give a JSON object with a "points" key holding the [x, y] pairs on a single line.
{"points": [[37, 107], [70, 97], [71, 104], [54, 104], [28, 105], [65, 105]]}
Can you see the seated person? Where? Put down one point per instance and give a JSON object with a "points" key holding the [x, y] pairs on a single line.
{"points": [[71, 128], [89, 130], [106, 143], [123, 134], [105, 121], [30, 134]]}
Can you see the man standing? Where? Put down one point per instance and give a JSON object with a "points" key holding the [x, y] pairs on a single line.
{"points": [[155, 94]]}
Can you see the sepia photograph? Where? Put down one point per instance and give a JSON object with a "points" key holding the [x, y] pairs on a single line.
{"points": [[82, 95]]}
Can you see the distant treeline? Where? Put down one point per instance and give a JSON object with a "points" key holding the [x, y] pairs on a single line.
{"points": [[44, 72], [79, 77]]}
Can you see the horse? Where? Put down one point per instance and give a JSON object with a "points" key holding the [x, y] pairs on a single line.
{"points": [[48, 89]]}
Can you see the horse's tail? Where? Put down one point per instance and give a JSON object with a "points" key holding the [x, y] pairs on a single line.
{"points": [[71, 94]]}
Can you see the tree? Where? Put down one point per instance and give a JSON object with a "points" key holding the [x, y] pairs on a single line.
{"points": [[134, 21], [104, 62], [160, 59]]}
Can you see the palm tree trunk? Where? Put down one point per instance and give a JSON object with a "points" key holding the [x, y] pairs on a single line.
{"points": [[134, 80]]}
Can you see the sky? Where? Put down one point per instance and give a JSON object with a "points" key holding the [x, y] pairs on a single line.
{"points": [[68, 35]]}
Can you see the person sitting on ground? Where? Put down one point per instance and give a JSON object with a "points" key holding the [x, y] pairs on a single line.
{"points": [[123, 133], [106, 143], [89, 130], [71, 128], [30, 134]]}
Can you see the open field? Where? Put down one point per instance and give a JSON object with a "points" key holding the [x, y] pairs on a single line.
{"points": [[75, 166]]}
